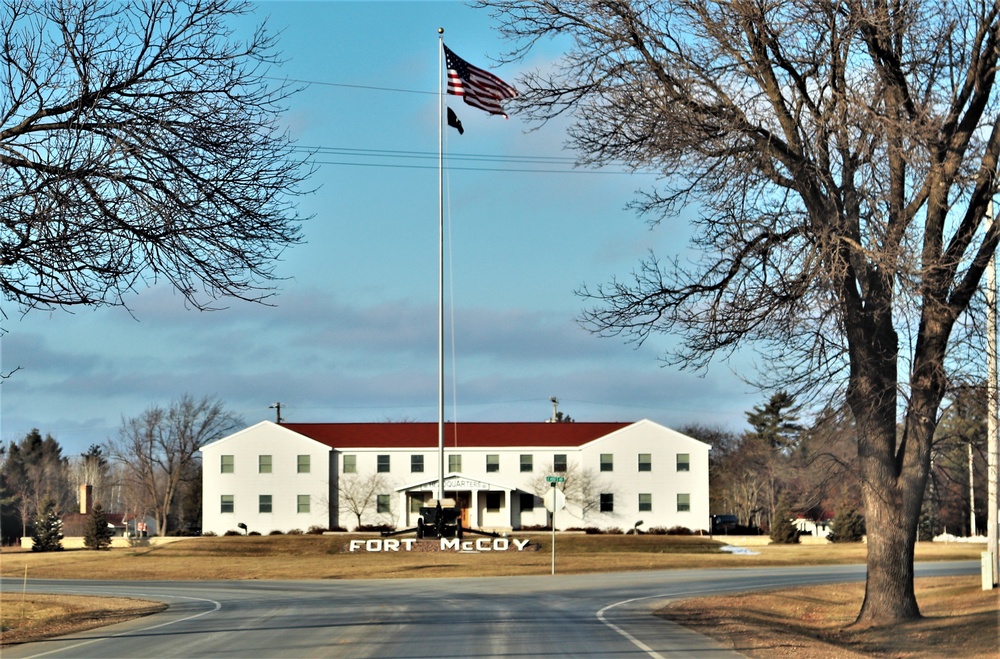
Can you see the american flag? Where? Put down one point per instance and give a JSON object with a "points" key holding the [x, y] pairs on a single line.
{"points": [[478, 88]]}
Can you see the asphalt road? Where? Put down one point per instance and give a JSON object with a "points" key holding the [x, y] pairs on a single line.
{"points": [[594, 615]]}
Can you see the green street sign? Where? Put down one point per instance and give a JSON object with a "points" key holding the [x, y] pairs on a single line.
{"points": [[555, 479]]}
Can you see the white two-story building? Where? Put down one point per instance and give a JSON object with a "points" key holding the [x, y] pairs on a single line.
{"points": [[301, 475]]}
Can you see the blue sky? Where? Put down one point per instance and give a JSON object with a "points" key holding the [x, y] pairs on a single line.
{"points": [[352, 335]]}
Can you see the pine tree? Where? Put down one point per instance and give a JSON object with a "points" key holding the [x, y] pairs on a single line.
{"points": [[783, 531], [847, 526], [97, 534], [47, 534]]}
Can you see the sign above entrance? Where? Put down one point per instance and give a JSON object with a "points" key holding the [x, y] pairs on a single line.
{"points": [[461, 483]]}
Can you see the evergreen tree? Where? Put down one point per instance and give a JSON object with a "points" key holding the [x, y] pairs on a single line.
{"points": [[847, 526], [47, 533], [776, 423], [97, 534], [783, 532]]}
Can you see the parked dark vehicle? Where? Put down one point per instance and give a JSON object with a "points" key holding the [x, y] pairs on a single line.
{"points": [[724, 524]]}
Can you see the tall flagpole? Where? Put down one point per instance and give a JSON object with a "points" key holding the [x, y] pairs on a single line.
{"points": [[991, 415], [440, 488]]}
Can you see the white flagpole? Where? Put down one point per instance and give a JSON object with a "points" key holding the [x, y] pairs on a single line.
{"points": [[991, 415], [440, 488]]}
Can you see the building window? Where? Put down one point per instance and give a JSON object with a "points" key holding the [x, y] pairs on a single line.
{"points": [[683, 462], [607, 502], [302, 464], [264, 503], [527, 502], [559, 462], [350, 464], [454, 463], [263, 464], [683, 503], [227, 503], [645, 503], [527, 463], [227, 464], [416, 502], [383, 464], [493, 501], [303, 503], [645, 462], [382, 503], [492, 462], [607, 462], [417, 463]]}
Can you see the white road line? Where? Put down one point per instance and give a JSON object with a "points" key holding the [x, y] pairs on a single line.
{"points": [[632, 639], [218, 605], [690, 593]]}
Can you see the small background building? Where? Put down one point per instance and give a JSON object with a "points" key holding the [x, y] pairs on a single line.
{"points": [[301, 475]]}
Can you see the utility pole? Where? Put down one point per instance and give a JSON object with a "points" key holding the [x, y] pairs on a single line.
{"points": [[277, 408]]}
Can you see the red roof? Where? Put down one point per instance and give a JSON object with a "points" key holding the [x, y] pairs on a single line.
{"points": [[470, 435]]}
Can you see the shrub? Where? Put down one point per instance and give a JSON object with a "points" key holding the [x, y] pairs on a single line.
{"points": [[375, 528], [679, 530], [208, 534], [232, 532], [294, 532], [254, 533], [783, 531], [185, 533], [276, 532], [847, 526], [338, 529], [317, 530], [658, 530]]}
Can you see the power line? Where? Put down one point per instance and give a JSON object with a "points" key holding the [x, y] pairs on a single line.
{"points": [[567, 162], [349, 86], [562, 160], [380, 155]]}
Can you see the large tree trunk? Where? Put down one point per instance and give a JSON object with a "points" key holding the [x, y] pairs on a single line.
{"points": [[891, 525], [894, 463]]}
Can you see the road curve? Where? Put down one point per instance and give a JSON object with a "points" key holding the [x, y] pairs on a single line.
{"points": [[593, 615]]}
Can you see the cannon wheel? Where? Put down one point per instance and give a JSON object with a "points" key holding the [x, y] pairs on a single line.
{"points": [[420, 528]]}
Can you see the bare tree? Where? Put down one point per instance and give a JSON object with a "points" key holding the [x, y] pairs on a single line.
{"points": [[139, 141], [359, 493], [157, 451], [582, 488], [839, 158], [91, 468]]}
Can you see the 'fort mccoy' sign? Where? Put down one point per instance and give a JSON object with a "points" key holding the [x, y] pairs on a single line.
{"points": [[447, 544]]}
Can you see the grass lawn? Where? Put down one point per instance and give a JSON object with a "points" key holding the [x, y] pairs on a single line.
{"points": [[810, 620]]}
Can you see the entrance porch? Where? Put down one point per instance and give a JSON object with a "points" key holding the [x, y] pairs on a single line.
{"points": [[486, 506]]}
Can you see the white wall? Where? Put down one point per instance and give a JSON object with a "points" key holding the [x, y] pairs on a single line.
{"points": [[284, 484], [625, 482]]}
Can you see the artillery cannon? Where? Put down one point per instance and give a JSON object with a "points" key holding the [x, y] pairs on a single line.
{"points": [[443, 519]]}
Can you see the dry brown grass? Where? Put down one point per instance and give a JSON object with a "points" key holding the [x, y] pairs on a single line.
{"points": [[808, 622], [323, 557], [960, 620], [32, 617]]}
